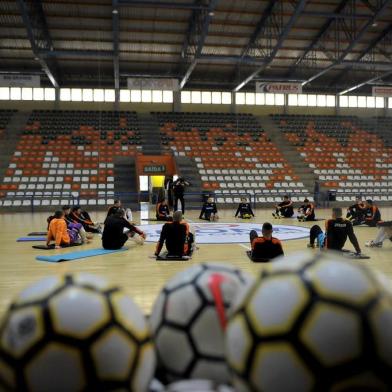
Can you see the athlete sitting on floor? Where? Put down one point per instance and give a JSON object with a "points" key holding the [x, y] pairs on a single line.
{"points": [[356, 212], [266, 247], [77, 227], [79, 216], [60, 233], [115, 207], [306, 212], [284, 209], [384, 232], [162, 211], [372, 214], [118, 230], [177, 236], [337, 230], [244, 209], [209, 211]]}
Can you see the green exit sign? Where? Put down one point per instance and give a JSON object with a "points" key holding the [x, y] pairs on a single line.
{"points": [[154, 169]]}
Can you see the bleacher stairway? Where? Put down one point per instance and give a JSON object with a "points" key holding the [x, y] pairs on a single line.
{"points": [[150, 134], [12, 134], [125, 185], [289, 152], [187, 168]]}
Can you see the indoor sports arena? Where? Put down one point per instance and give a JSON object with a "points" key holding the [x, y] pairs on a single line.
{"points": [[222, 171]]}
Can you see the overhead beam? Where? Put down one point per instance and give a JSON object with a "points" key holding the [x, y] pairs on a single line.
{"points": [[357, 86], [116, 57], [298, 10], [77, 53], [38, 35], [336, 15], [259, 28], [202, 24], [325, 27], [358, 37], [159, 4], [366, 51]]}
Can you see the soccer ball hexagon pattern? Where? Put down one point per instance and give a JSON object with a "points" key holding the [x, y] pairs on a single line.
{"points": [[75, 333], [189, 318], [312, 323]]}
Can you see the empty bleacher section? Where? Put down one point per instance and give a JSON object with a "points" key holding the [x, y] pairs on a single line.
{"points": [[11, 125], [344, 155], [68, 156], [233, 154]]}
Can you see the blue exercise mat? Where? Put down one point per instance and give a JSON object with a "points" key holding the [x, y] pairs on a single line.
{"points": [[30, 239], [78, 255]]}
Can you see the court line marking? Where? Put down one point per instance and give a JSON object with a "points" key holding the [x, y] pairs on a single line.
{"points": [[244, 246]]}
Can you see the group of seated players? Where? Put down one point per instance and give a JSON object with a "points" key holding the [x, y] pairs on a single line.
{"points": [[71, 226]]}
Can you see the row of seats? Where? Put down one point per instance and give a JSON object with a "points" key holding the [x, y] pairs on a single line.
{"points": [[344, 156], [69, 151], [231, 152]]}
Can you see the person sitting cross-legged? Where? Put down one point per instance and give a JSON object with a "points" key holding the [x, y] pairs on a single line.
{"points": [[177, 236], [118, 230], [284, 209], [266, 247]]}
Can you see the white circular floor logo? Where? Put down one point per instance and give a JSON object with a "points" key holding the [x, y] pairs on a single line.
{"points": [[228, 233]]}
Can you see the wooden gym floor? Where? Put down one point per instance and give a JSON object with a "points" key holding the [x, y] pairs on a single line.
{"points": [[134, 270]]}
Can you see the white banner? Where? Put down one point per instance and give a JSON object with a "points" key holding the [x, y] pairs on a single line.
{"points": [[279, 88], [20, 80], [381, 91], [152, 84]]}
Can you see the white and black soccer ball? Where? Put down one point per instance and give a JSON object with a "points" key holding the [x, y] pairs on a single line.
{"points": [[188, 321], [73, 333], [312, 323]]}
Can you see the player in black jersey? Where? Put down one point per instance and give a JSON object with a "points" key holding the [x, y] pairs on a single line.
{"points": [[162, 211], [244, 209], [284, 209], [372, 214], [306, 212], [356, 212], [337, 231], [209, 211]]}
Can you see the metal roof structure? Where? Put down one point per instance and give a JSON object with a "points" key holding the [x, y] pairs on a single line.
{"points": [[330, 45]]}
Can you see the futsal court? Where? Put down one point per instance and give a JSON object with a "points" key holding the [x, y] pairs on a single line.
{"points": [[136, 270]]}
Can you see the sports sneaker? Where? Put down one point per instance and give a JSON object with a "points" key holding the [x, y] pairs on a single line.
{"points": [[311, 246], [274, 215], [372, 244]]}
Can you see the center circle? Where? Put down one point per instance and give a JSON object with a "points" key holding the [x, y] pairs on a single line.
{"points": [[229, 233]]}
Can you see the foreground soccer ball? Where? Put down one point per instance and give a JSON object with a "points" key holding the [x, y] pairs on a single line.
{"points": [[75, 333], [189, 318], [317, 323]]}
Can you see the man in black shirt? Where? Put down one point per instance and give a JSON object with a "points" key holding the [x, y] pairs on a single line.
{"points": [[284, 209], [177, 236], [356, 212], [337, 231], [162, 211], [306, 212], [209, 210], [178, 190], [117, 231], [372, 214], [244, 209], [114, 208]]}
